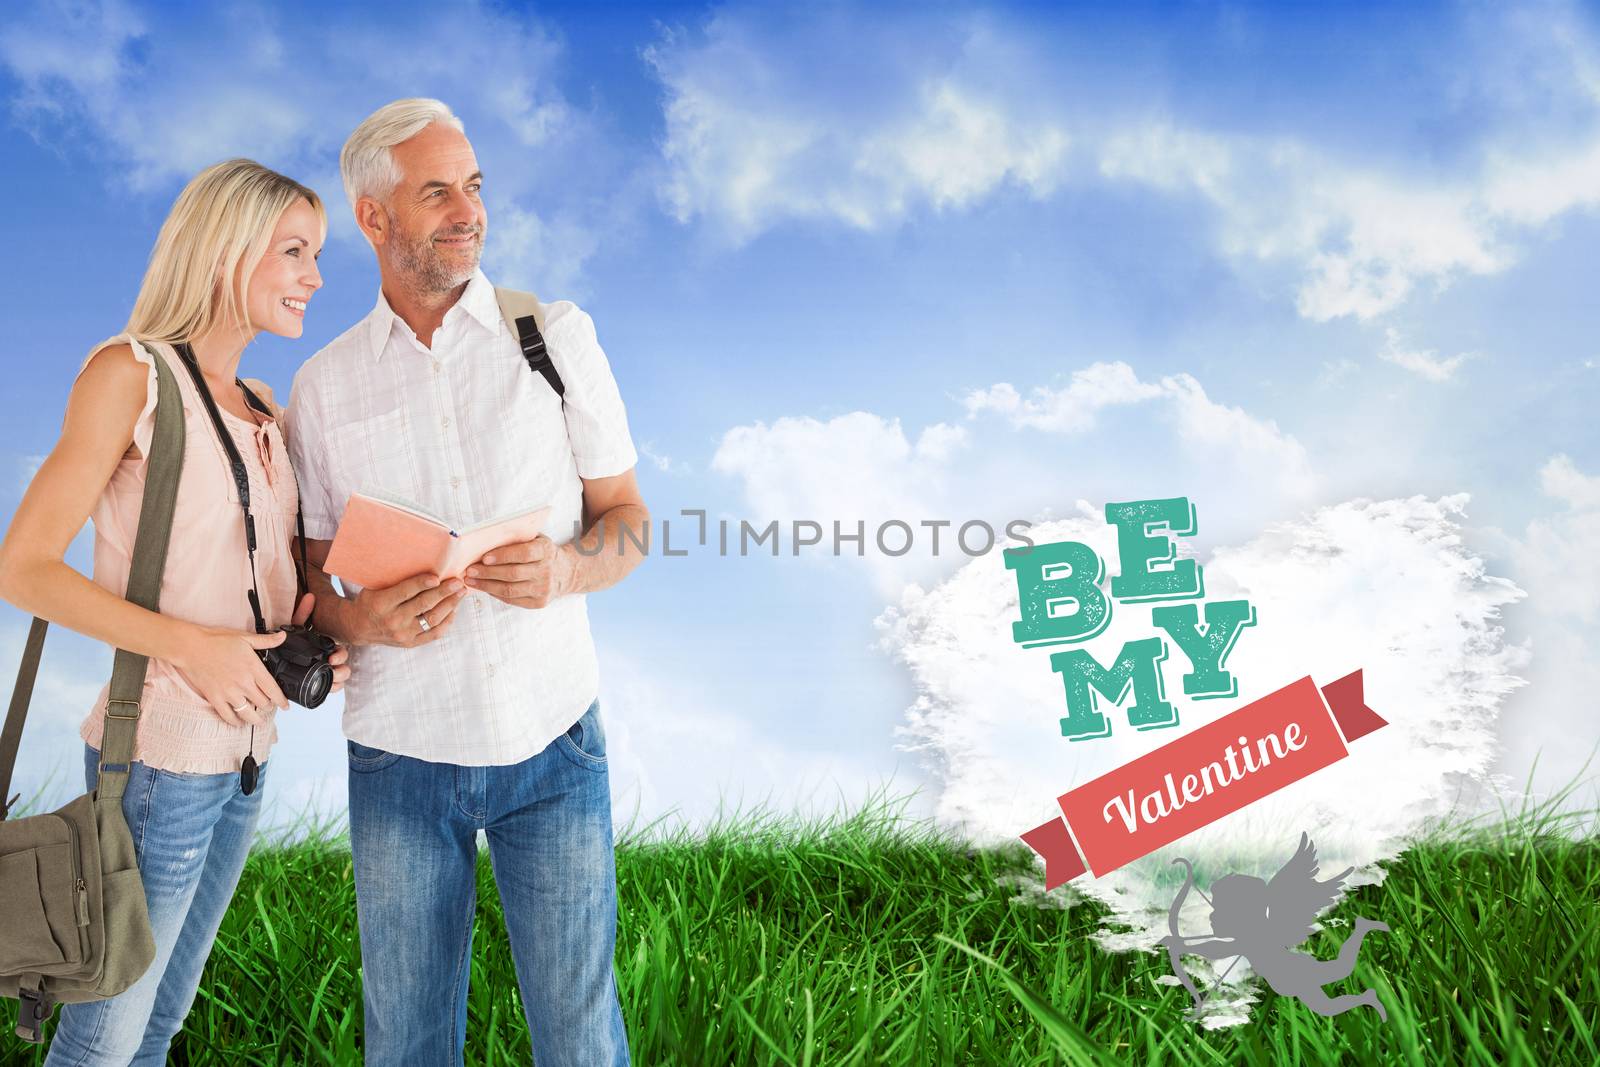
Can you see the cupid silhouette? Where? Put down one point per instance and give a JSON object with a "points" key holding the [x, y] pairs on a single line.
{"points": [[1264, 921]]}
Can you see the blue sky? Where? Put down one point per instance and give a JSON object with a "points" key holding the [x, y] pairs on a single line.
{"points": [[1336, 253]]}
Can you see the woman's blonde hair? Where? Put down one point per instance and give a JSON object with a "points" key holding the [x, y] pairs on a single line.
{"points": [[214, 236]]}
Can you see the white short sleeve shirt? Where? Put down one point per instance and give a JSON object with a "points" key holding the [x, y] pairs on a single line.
{"points": [[470, 433]]}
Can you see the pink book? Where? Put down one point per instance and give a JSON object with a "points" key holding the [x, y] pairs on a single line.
{"points": [[380, 542]]}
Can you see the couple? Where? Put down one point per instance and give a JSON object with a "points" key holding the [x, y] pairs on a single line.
{"points": [[470, 703]]}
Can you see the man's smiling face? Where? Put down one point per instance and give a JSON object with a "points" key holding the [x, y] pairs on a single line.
{"points": [[435, 215]]}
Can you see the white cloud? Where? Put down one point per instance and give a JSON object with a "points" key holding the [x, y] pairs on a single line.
{"points": [[102, 67], [1173, 159], [940, 441], [29, 466], [158, 96], [1557, 559], [1068, 410], [759, 131], [855, 465], [755, 137], [660, 461], [1383, 586], [1424, 363], [1362, 239], [956, 149], [1257, 442], [527, 251], [865, 467], [678, 758], [1229, 434], [1335, 371], [858, 467], [1367, 233], [1558, 556], [1532, 191], [1560, 478]]}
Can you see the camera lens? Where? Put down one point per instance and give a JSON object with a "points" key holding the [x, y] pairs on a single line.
{"points": [[314, 688], [300, 665]]}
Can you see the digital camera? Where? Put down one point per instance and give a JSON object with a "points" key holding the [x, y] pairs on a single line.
{"points": [[300, 665]]}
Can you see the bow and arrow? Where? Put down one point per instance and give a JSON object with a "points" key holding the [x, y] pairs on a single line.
{"points": [[1265, 921], [1176, 943]]}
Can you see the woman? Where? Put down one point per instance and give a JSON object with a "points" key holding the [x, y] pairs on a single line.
{"points": [[236, 256]]}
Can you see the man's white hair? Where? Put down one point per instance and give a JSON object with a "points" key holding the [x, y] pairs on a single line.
{"points": [[366, 163]]}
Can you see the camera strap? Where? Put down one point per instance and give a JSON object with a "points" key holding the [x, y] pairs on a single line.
{"points": [[241, 477], [241, 480]]}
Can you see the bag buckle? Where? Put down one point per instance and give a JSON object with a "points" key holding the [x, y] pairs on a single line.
{"points": [[34, 1006], [111, 704]]}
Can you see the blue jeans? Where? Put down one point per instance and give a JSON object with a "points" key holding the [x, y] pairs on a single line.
{"points": [[413, 832], [191, 833]]}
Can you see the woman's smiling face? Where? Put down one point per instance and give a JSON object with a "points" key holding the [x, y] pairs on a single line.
{"points": [[282, 283]]}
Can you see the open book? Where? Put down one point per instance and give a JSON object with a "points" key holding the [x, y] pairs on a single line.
{"points": [[383, 541]]}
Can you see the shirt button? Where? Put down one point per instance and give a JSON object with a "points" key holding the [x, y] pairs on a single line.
{"points": [[436, 366], [490, 669], [455, 483], [445, 422]]}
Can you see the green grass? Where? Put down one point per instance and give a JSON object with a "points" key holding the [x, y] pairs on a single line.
{"points": [[870, 939]]}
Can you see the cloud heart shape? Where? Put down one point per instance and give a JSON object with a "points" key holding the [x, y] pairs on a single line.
{"points": [[1384, 586]]}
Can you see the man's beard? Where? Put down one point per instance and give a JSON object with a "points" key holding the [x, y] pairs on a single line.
{"points": [[424, 266]]}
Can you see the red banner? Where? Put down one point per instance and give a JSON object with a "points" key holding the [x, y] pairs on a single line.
{"points": [[1202, 776]]}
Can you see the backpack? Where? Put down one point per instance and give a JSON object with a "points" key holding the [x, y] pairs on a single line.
{"points": [[76, 927], [525, 316]]}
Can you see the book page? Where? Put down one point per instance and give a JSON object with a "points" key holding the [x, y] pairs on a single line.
{"points": [[469, 547], [402, 505]]}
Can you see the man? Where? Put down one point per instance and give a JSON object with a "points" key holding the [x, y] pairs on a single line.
{"points": [[471, 704]]}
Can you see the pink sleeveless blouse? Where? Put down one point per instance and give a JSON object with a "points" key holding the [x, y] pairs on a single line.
{"points": [[208, 568]]}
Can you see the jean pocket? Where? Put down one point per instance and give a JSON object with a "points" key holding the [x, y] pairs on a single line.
{"points": [[585, 740], [366, 760]]}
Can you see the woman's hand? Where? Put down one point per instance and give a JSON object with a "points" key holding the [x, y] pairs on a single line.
{"points": [[225, 670], [340, 657]]}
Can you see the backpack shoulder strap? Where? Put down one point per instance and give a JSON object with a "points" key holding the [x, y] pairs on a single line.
{"points": [[525, 317]]}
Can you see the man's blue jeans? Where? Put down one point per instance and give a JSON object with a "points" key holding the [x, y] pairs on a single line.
{"points": [[413, 830], [191, 833]]}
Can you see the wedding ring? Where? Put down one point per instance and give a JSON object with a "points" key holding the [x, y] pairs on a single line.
{"points": [[422, 620], [238, 707]]}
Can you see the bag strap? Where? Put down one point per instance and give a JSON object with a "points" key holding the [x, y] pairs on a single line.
{"points": [[144, 588], [11, 737], [144, 579], [526, 319]]}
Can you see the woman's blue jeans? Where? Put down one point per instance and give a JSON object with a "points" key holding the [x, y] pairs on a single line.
{"points": [[413, 830], [191, 833]]}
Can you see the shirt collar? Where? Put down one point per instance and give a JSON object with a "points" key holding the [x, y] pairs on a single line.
{"points": [[379, 323], [478, 300]]}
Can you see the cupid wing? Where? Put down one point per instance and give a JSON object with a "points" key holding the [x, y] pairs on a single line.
{"points": [[1295, 897]]}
